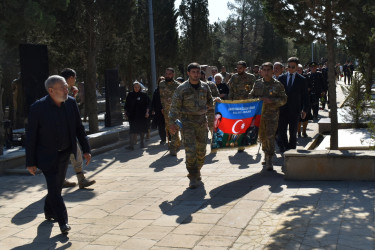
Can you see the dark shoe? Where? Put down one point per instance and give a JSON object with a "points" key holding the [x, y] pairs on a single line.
{"points": [[162, 142], [83, 182], [67, 184], [65, 228], [241, 150], [304, 134]]}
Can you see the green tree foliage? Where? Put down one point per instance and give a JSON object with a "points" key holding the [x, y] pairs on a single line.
{"points": [[195, 41], [306, 21], [359, 32]]}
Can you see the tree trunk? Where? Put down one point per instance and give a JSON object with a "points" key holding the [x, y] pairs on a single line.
{"points": [[368, 76], [90, 88], [331, 78]]}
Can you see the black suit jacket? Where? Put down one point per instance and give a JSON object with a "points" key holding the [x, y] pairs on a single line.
{"points": [[297, 95], [41, 133]]}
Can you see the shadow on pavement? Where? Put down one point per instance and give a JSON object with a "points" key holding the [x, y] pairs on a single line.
{"points": [[165, 161], [30, 212], [243, 159], [43, 240], [185, 204], [191, 201], [333, 215]]}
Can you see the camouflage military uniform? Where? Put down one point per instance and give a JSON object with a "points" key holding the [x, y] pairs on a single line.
{"points": [[275, 91], [240, 86], [167, 90], [211, 110], [190, 105]]}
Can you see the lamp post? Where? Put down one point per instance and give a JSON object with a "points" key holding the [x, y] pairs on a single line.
{"points": [[312, 51], [152, 45]]}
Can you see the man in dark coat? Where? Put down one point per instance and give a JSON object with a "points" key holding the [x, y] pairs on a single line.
{"points": [[296, 106], [54, 125]]}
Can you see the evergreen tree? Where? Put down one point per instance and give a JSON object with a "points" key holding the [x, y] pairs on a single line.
{"points": [[306, 21], [195, 42]]}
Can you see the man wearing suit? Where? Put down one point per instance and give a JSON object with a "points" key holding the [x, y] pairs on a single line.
{"points": [[54, 125], [296, 106]]}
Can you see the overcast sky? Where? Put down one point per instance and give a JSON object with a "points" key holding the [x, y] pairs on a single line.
{"points": [[217, 8]]}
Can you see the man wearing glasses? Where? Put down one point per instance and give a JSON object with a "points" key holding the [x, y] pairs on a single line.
{"points": [[296, 106]]}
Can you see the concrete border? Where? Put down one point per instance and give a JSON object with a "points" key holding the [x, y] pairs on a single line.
{"points": [[348, 165]]}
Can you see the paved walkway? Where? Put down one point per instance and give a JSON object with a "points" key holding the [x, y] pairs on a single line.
{"points": [[140, 201]]}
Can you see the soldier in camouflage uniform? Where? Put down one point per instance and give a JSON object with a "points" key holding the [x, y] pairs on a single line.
{"points": [[189, 103], [240, 85], [273, 95], [166, 89], [210, 110]]}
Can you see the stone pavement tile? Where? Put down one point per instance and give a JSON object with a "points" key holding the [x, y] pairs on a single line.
{"points": [[206, 218], [6, 231], [71, 244], [168, 248], [12, 242], [193, 228], [111, 220], [146, 201], [147, 215], [224, 231], [137, 243], [239, 218], [209, 248], [96, 230], [208, 209], [98, 247], [95, 214], [259, 194], [79, 210], [130, 227], [4, 211], [328, 242], [178, 240], [154, 232], [217, 241], [110, 240], [128, 210], [171, 220], [112, 205]]}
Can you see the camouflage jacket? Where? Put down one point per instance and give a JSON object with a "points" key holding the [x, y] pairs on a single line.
{"points": [[240, 86], [166, 90], [213, 88], [273, 90], [190, 101]]}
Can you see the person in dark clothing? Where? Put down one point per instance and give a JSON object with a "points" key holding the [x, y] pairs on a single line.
{"points": [[137, 110], [54, 125], [221, 86], [158, 117]]}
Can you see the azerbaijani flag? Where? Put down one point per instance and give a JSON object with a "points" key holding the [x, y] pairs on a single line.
{"points": [[236, 123]]}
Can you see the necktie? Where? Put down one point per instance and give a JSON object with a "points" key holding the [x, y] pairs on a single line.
{"points": [[290, 81]]}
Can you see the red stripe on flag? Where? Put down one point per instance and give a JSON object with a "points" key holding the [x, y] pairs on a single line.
{"points": [[235, 126]]}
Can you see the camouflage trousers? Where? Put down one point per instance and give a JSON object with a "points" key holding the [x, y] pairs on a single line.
{"points": [[211, 118], [175, 141], [195, 141], [267, 134]]}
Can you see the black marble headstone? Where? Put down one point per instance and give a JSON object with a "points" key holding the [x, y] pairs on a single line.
{"points": [[34, 72], [113, 114]]}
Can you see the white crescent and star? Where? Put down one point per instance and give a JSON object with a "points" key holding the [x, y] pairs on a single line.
{"points": [[234, 126]]}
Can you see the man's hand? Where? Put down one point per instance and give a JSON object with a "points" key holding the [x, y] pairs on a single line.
{"points": [[303, 114], [87, 157], [173, 128], [266, 100], [32, 169], [74, 91]]}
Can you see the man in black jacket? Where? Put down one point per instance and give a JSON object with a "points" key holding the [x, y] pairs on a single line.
{"points": [[297, 106], [54, 125]]}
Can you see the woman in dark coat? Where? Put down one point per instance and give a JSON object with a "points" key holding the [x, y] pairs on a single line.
{"points": [[137, 110]]}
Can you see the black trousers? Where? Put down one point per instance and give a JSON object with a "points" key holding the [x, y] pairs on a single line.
{"points": [[161, 129], [287, 119], [54, 205]]}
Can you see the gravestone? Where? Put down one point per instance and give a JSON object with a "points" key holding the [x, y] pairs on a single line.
{"points": [[34, 71], [113, 114]]}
